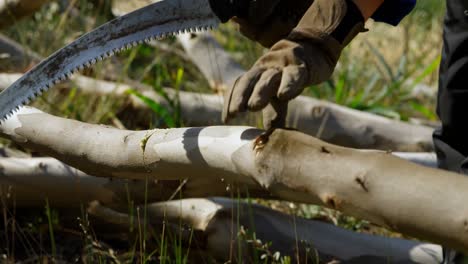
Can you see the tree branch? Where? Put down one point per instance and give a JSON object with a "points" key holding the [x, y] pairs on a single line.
{"points": [[289, 235], [29, 181], [14, 57], [291, 166]]}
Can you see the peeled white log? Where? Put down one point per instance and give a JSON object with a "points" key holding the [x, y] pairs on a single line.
{"points": [[12, 153], [30, 181], [196, 109], [287, 235], [414, 200], [215, 64], [424, 159]]}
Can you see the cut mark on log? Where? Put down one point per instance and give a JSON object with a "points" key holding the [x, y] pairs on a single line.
{"points": [[261, 141], [42, 166], [361, 180], [332, 202], [144, 141], [325, 150]]}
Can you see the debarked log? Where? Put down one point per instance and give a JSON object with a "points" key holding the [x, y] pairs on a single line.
{"points": [[422, 202], [30, 182], [222, 226]]}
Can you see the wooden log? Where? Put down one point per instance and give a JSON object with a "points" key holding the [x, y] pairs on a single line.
{"points": [[423, 202]]}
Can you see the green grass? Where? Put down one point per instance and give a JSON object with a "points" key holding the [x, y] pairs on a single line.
{"points": [[373, 75]]}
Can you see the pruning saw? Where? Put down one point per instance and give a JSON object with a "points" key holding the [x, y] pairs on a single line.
{"points": [[154, 21]]}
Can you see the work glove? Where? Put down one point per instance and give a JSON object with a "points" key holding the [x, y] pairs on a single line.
{"points": [[307, 56], [268, 21]]}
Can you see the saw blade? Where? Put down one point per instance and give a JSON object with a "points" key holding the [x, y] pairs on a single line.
{"points": [[155, 21]]}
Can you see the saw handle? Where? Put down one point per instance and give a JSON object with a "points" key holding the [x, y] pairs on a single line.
{"points": [[227, 9]]}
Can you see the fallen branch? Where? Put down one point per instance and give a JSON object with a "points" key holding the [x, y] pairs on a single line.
{"points": [[6, 152], [424, 159], [29, 181], [196, 109], [288, 235], [414, 200], [215, 64], [14, 57]]}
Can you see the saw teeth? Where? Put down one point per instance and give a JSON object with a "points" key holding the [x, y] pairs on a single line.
{"points": [[101, 57]]}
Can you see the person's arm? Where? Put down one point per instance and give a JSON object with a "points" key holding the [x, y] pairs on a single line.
{"points": [[307, 56], [368, 7]]}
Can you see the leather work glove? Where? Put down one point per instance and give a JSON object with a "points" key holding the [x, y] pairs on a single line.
{"points": [[268, 21], [307, 56]]}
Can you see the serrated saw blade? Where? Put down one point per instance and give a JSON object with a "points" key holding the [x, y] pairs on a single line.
{"points": [[157, 20]]}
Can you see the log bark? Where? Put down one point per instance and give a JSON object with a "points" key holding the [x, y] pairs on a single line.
{"points": [[12, 10], [414, 200], [219, 234]]}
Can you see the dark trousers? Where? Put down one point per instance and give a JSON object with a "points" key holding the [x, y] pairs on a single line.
{"points": [[451, 140]]}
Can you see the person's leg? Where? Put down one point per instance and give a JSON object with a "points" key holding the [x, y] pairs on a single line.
{"points": [[451, 140]]}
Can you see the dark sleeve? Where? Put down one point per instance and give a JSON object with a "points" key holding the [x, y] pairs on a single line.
{"points": [[393, 11]]}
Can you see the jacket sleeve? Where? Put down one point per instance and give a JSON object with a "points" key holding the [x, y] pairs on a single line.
{"points": [[393, 11]]}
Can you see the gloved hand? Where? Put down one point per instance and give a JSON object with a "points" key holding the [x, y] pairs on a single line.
{"points": [[268, 21], [308, 55]]}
